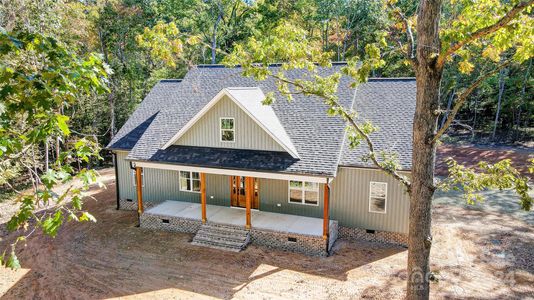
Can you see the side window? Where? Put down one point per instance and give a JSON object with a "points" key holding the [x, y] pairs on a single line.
{"points": [[190, 181], [227, 127], [303, 192], [377, 197], [142, 178]]}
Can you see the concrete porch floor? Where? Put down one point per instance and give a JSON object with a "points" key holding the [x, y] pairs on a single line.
{"points": [[236, 216]]}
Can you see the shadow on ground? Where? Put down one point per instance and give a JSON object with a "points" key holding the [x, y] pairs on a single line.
{"points": [[114, 258]]}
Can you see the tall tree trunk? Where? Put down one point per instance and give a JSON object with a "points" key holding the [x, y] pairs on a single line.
{"points": [[428, 77], [499, 101], [46, 152], [111, 100], [214, 39], [449, 104], [58, 150], [111, 95], [475, 118], [523, 98]]}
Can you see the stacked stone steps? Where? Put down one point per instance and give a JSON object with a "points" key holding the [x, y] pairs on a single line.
{"points": [[222, 237]]}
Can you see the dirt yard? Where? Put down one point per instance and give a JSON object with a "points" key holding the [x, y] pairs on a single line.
{"points": [[468, 155], [485, 251]]}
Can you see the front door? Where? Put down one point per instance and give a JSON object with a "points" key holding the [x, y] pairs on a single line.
{"points": [[237, 191]]}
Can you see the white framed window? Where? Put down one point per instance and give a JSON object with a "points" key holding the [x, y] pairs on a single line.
{"points": [[142, 178], [190, 181], [303, 192], [227, 127], [378, 192]]}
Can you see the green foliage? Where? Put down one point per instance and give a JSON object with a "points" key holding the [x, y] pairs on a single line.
{"points": [[163, 42], [501, 175], [473, 16], [40, 79]]}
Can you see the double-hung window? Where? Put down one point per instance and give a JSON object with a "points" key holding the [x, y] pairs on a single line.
{"points": [[303, 192], [377, 197], [227, 126], [189, 181]]}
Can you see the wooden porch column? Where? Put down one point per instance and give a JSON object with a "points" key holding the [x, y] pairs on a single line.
{"points": [[139, 184], [203, 196], [249, 190], [326, 211]]}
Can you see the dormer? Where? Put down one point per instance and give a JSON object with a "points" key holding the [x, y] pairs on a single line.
{"points": [[236, 118]]}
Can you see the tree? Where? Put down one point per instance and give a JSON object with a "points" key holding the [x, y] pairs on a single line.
{"points": [[40, 80], [492, 25]]}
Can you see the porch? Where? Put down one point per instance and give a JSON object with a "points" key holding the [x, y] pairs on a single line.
{"points": [[225, 227], [231, 225], [261, 220]]}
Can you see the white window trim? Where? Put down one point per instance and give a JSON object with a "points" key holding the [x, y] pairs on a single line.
{"points": [[221, 129], [385, 198], [190, 179], [134, 179], [303, 189]]}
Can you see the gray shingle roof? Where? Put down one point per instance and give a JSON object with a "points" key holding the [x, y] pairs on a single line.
{"points": [[225, 158], [317, 137], [143, 116], [389, 103]]}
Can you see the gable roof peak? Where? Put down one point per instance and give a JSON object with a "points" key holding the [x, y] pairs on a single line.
{"points": [[250, 100]]}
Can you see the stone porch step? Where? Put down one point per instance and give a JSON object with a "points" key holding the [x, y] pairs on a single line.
{"points": [[222, 237]]}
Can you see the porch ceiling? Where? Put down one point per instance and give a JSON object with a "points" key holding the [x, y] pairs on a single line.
{"points": [[236, 216]]}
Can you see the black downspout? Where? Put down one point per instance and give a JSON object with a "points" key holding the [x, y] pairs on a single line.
{"points": [[116, 180]]}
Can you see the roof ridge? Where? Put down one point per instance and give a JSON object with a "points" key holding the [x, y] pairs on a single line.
{"points": [[221, 66], [169, 80], [391, 79]]}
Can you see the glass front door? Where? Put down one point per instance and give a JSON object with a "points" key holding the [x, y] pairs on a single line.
{"points": [[237, 189]]}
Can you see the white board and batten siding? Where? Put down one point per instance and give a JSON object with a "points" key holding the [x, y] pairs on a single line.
{"points": [[349, 203], [248, 134]]}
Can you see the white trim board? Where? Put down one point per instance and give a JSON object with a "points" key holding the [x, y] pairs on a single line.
{"points": [[257, 96], [229, 172]]}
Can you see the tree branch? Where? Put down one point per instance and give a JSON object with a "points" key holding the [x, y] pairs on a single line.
{"points": [[463, 97], [505, 20], [409, 35], [349, 118]]}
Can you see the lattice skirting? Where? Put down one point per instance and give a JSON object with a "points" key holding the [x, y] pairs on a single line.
{"points": [[395, 238]]}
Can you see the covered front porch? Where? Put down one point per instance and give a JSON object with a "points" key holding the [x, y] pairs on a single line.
{"points": [[227, 228], [260, 220], [261, 213]]}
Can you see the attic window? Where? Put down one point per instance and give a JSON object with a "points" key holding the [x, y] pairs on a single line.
{"points": [[227, 130]]}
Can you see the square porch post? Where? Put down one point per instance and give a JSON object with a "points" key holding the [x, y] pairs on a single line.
{"points": [[139, 183], [249, 190], [203, 196], [326, 211]]}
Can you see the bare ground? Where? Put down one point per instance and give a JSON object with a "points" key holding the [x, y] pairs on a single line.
{"points": [[469, 155], [486, 251]]}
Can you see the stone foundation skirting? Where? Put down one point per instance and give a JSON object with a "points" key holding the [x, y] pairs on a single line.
{"points": [[388, 237], [310, 245], [166, 223], [132, 205], [307, 244]]}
